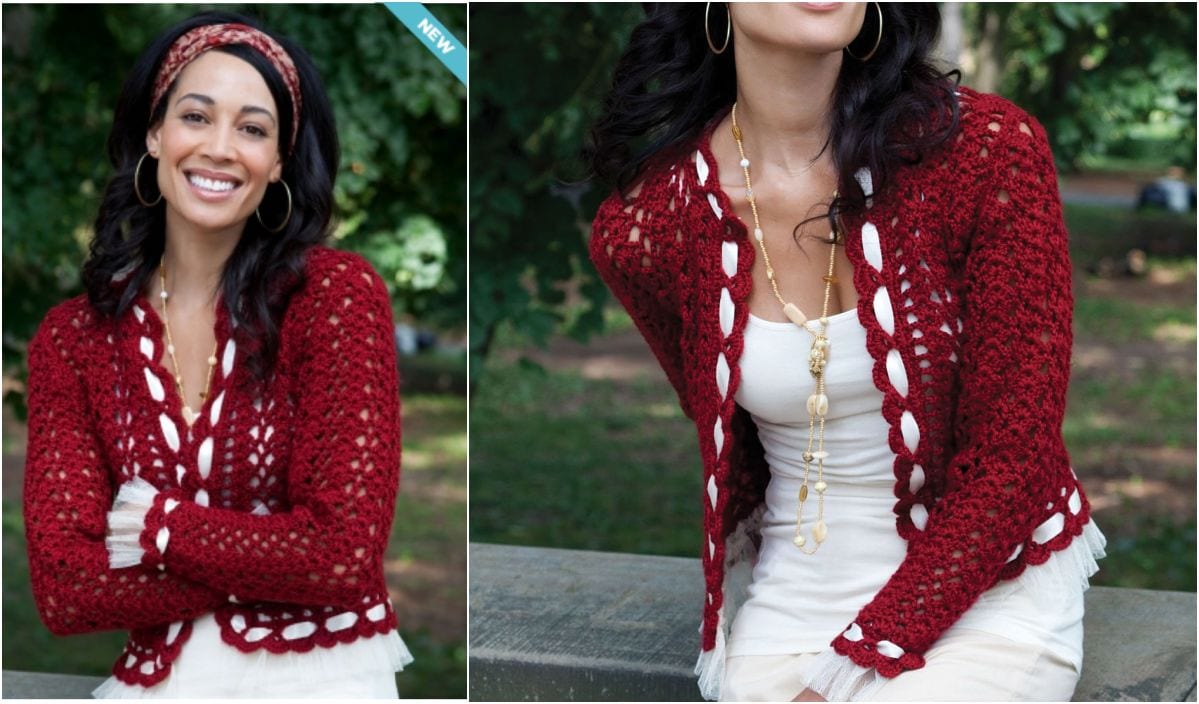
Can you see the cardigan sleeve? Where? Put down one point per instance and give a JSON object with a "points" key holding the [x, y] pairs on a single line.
{"points": [[67, 493], [328, 548], [635, 257], [1015, 359]]}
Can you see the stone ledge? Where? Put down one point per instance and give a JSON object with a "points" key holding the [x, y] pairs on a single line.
{"points": [[571, 625], [48, 685]]}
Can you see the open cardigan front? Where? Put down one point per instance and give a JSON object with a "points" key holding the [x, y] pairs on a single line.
{"points": [[964, 283], [272, 511]]}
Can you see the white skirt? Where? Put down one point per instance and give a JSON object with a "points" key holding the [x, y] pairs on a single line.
{"points": [[1020, 641], [207, 667], [963, 665]]}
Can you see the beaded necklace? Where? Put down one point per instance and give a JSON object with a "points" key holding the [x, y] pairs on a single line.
{"points": [[188, 414], [817, 360]]}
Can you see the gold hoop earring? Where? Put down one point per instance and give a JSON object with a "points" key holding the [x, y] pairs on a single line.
{"points": [[137, 191], [728, 31], [286, 218], [877, 41]]}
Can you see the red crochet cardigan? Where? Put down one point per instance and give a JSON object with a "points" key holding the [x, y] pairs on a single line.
{"points": [[314, 454], [964, 285]]}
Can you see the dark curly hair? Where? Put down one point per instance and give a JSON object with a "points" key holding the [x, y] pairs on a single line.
{"points": [[887, 112], [265, 268]]}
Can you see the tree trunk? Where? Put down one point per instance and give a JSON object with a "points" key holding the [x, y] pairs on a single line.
{"points": [[988, 51], [949, 44]]}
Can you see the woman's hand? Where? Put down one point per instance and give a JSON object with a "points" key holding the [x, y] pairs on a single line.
{"points": [[808, 695]]}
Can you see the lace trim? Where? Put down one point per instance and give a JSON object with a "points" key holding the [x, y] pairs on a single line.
{"points": [[1071, 568], [126, 521], [839, 679], [741, 553], [709, 668]]}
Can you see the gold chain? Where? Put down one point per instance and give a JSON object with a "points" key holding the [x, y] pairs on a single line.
{"points": [[817, 360], [188, 414]]}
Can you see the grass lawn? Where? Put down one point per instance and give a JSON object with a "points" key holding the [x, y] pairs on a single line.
{"points": [[579, 454], [426, 567], [563, 461], [1098, 231]]}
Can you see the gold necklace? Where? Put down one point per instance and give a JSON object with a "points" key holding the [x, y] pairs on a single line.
{"points": [[817, 360], [188, 414]]}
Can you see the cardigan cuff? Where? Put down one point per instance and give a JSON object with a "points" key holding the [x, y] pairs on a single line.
{"points": [[137, 531], [884, 656]]}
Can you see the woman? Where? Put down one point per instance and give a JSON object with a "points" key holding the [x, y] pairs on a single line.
{"points": [[855, 275], [214, 428]]}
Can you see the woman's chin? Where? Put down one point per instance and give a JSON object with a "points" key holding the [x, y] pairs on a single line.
{"points": [[202, 220]]}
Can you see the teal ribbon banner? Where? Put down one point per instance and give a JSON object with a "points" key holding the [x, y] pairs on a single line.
{"points": [[433, 34]]}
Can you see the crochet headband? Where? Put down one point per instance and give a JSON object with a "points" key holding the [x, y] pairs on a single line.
{"points": [[188, 47]]}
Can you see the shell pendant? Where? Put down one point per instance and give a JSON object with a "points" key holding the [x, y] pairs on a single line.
{"points": [[819, 535], [818, 356], [189, 415]]}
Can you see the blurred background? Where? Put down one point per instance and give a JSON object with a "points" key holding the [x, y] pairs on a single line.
{"points": [[401, 202], [569, 402]]}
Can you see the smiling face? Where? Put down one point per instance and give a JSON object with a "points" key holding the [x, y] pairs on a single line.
{"points": [[217, 145], [810, 27]]}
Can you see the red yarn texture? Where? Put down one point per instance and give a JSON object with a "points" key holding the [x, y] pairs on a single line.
{"points": [[972, 264], [314, 453]]}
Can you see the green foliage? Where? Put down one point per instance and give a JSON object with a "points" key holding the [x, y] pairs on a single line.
{"points": [[400, 194], [538, 72], [401, 190], [1099, 76]]}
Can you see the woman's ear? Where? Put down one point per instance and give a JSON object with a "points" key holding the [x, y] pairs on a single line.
{"points": [[277, 170], [153, 141]]}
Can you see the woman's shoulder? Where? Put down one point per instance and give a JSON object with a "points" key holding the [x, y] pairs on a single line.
{"points": [[649, 190], [323, 260], [993, 142], [342, 283], [663, 179], [987, 118], [75, 311], [975, 105], [330, 272], [636, 231], [66, 333], [74, 316]]}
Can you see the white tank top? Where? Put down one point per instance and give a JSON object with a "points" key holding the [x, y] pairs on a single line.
{"points": [[798, 603]]}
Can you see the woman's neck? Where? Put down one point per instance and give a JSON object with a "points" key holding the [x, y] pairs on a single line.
{"points": [[784, 100], [193, 262]]}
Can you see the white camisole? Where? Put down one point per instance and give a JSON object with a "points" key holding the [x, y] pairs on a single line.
{"points": [[798, 603]]}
